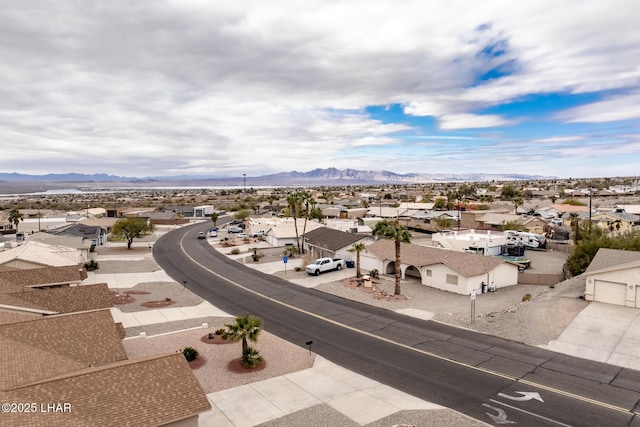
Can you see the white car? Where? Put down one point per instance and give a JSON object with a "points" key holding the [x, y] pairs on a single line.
{"points": [[243, 235]]}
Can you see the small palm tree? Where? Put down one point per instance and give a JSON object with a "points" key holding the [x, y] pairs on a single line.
{"points": [[214, 218], [246, 328], [394, 231], [357, 248], [15, 217]]}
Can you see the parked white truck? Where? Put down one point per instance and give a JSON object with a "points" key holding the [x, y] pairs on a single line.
{"points": [[324, 264]]}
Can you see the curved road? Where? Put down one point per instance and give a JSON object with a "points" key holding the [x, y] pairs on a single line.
{"points": [[494, 380]]}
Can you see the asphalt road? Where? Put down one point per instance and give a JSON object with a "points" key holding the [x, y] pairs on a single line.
{"points": [[488, 378]]}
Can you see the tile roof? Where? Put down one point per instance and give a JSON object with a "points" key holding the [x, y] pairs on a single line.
{"points": [[331, 239], [464, 263], [42, 254], [142, 392]]}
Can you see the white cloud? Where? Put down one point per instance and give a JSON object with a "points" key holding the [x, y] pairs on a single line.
{"points": [[209, 86], [615, 108], [467, 121]]}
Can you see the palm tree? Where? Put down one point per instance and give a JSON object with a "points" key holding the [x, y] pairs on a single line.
{"points": [[394, 231], [293, 200], [357, 248], [15, 217], [575, 221], [214, 218], [306, 199], [246, 328]]}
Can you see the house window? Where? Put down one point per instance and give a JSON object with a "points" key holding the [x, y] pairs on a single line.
{"points": [[429, 273], [452, 279]]}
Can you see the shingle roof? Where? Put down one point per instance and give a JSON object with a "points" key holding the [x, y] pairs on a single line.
{"points": [[142, 392], [464, 263], [607, 258], [330, 239], [38, 349], [68, 299], [41, 276]]}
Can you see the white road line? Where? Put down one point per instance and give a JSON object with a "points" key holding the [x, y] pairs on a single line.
{"points": [[531, 413]]}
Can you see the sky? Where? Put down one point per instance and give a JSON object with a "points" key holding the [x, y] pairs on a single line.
{"points": [[162, 88]]}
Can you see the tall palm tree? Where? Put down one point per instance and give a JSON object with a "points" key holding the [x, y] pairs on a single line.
{"points": [[293, 200], [357, 248], [306, 199], [245, 328], [394, 231], [15, 217]]}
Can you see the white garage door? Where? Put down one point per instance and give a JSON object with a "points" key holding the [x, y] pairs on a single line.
{"points": [[610, 292]]}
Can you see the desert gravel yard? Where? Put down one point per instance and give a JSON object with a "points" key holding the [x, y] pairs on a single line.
{"points": [[281, 357]]}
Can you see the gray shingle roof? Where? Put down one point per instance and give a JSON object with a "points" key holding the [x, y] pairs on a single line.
{"points": [[330, 239]]}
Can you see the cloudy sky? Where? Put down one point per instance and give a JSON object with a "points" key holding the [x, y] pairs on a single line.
{"points": [[144, 88]]}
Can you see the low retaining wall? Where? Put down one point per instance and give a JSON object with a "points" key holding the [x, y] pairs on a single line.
{"points": [[539, 279]]}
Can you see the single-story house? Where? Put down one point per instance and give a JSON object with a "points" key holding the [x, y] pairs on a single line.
{"points": [[34, 254], [613, 277], [329, 242], [95, 234], [615, 221], [284, 233], [451, 271]]}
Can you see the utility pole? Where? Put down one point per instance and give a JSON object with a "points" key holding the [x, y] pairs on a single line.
{"points": [[244, 181]]}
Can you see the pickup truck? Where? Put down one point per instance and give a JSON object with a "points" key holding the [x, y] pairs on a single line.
{"points": [[324, 264]]}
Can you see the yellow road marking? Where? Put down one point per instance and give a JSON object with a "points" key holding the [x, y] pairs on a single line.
{"points": [[408, 347]]}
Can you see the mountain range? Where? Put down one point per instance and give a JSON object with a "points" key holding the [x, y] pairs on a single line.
{"points": [[329, 176]]}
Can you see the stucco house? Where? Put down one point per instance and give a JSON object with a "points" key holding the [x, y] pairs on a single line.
{"points": [[328, 242], [613, 277], [34, 254], [451, 271]]}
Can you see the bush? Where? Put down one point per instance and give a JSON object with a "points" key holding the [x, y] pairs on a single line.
{"points": [[92, 248], [221, 331], [91, 265], [251, 357], [235, 251], [374, 273], [526, 297], [190, 353]]}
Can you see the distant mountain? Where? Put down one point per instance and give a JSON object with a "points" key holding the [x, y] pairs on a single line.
{"points": [[330, 176]]}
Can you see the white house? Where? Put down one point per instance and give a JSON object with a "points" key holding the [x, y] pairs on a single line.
{"points": [[451, 271], [613, 277], [486, 242]]}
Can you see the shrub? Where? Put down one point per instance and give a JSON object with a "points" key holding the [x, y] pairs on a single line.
{"points": [[221, 331], [91, 265], [374, 273], [251, 357], [526, 297], [190, 353], [92, 248], [235, 251]]}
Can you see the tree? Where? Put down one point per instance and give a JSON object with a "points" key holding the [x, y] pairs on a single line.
{"points": [[394, 231], [246, 328], [214, 217], [293, 200], [517, 201], [15, 217], [131, 228], [440, 204], [357, 248], [306, 199], [242, 214], [443, 223], [508, 192]]}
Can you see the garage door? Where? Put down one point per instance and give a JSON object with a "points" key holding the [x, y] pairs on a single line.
{"points": [[610, 292], [637, 296]]}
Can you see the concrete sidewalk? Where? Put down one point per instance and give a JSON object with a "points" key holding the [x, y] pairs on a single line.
{"points": [[327, 394], [163, 315]]}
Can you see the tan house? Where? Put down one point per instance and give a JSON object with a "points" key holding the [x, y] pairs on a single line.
{"points": [[34, 254], [451, 271], [613, 277]]}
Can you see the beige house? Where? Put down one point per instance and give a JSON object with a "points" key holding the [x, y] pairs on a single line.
{"points": [[34, 254], [450, 271], [613, 277]]}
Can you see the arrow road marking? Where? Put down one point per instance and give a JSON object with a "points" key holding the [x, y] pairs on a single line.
{"points": [[560, 423], [501, 418], [524, 395]]}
